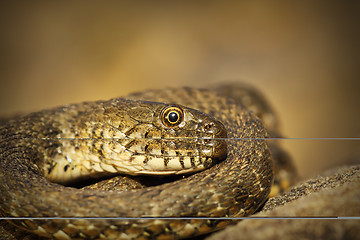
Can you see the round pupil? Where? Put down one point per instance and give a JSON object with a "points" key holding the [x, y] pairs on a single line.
{"points": [[173, 117]]}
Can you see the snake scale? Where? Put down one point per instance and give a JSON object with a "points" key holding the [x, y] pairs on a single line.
{"points": [[165, 136]]}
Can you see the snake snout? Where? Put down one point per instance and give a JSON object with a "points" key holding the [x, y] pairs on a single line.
{"points": [[215, 138], [220, 148]]}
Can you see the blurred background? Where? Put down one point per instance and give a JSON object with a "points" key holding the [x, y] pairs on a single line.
{"points": [[304, 57]]}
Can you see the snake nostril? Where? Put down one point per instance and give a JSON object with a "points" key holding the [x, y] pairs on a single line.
{"points": [[216, 128], [208, 126]]}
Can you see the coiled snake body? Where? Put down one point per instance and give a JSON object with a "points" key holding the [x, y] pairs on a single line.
{"points": [[43, 145]]}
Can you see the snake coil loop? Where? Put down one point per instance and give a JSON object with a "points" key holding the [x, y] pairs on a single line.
{"points": [[234, 187]]}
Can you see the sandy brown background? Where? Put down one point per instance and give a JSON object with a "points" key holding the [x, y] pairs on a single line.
{"points": [[303, 56]]}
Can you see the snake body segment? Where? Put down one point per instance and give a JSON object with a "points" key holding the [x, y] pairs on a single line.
{"points": [[235, 187]]}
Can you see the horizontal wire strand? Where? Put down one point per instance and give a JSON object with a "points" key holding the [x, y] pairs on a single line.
{"points": [[149, 139], [175, 218]]}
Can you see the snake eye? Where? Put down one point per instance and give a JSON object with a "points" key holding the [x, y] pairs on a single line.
{"points": [[171, 115]]}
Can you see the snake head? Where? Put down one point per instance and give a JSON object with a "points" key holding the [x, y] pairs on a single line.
{"points": [[135, 137], [197, 137], [182, 140], [172, 139]]}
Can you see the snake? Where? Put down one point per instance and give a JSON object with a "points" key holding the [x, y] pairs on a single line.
{"points": [[213, 140]]}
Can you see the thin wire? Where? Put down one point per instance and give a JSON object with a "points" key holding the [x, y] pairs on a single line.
{"points": [[246, 139], [174, 218]]}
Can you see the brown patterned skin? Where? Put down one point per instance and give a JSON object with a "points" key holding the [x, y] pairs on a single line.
{"points": [[237, 186]]}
